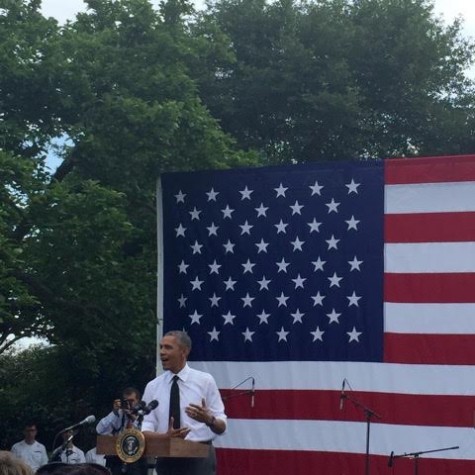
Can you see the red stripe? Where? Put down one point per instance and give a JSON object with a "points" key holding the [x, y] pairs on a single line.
{"points": [[429, 227], [430, 349], [275, 462], [429, 169], [421, 409], [429, 288]]}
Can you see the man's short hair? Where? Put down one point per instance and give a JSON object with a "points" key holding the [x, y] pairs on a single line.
{"points": [[131, 390], [182, 337]]}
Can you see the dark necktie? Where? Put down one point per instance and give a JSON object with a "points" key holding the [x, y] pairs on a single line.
{"points": [[175, 402]]}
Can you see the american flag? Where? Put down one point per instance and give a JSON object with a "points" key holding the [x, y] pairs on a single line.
{"points": [[308, 278]]}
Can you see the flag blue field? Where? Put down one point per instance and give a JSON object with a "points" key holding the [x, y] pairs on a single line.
{"points": [[302, 277]]}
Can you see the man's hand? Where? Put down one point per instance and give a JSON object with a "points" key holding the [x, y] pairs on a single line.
{"points": [[199, 413], [180, 433]]}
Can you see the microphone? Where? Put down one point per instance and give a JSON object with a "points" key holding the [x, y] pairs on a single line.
{"points": [[342, 394], [142, 408], [390, 461], [87, 420], [253, 392]]}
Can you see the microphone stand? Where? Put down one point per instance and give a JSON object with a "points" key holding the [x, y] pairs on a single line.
{"points": [[242, 393], [369, 413], [416, 455]]}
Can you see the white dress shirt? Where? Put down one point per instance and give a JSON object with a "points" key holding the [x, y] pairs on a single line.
{"points": [[195, 386], [33, 454]]}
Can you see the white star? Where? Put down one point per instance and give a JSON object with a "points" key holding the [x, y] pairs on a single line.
{"points": [[246, 193], [282, 266], [353, 187], [332, 206], [264, 283], [180, 197], [228, 318], [261, 211], [355, 264], [195, 214], [227, 212], [281, 227], [214, 300], [316, 188], [297, 316], [296, 208], [354, 335], [180, 230], [182, 267], [297, 244], [247, 300], [230, 284], [262, 246], [248, 266], [280, 191], [246, 228], [352, 223], [263, 316], [212, 194], [248, 335], [299, 281], [334, 280], [333, 316], [214, 267], [195, 317], [332, 242], [229, 247], [317, 334], [196, 247], [282, 300], [182, 301], [353, 299], [314, 226], [318, 264], [282, 334], [318, 299], [214, 334], [197, 283], [212, 230]]}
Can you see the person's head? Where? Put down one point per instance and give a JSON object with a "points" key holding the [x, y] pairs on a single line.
{"points": [[175, 346], [132, 396], [29, 432], [10, 465]]}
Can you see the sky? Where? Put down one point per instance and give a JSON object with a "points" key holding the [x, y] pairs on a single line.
{"points": [[63, 10]]}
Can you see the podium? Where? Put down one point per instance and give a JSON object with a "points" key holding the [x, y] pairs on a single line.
{"points": [[155, 447]]}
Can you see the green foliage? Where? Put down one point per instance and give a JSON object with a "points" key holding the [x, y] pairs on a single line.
{"points": [[341, 79]]}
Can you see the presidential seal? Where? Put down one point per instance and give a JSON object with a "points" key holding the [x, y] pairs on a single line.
{"points": [[130, 445]]}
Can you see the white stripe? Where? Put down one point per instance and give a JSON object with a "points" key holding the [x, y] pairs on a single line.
{"points": [[349, 437], [430, 198], [446, 257], [449, 319], [328, 375]]}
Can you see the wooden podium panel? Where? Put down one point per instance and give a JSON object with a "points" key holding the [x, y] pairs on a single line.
{"points": [[155, 447]]}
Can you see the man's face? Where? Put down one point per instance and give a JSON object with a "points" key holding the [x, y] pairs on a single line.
{"points": [[172, 354], [131, 399], [30, 434]]}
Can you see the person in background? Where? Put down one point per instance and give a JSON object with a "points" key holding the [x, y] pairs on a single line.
{"points": [[70, 453], [93, 457], [12, 465], [190, 407], [120, 418], [32, 452]]}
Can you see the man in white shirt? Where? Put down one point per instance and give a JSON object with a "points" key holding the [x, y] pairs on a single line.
{"points": [[29, 449], [70, 453], [93, 457], [199, 416]]}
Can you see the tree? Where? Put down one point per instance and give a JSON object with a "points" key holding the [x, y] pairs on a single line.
{"points": [[341, 79]]}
